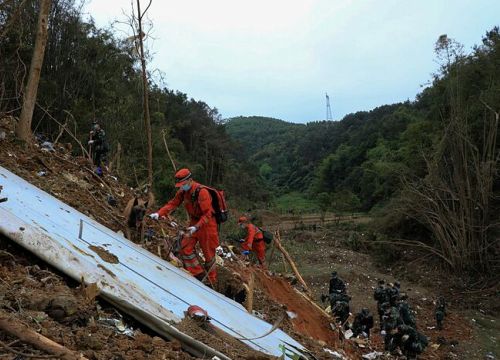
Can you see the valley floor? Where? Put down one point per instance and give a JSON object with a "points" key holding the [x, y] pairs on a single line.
{"points": [[475, 332]]}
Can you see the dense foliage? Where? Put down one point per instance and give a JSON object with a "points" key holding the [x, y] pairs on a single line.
{"points": [[431, 165], [88, 74], [353, 158], [359, 162]]}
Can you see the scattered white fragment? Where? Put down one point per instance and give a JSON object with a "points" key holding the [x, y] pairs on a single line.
{"points": [[373, 355], [348, 334], [335, 354], [119, 326], [291, 314]]}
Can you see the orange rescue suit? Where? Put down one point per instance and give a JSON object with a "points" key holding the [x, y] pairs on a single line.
{"points": [[201, 215], [254, 241]]}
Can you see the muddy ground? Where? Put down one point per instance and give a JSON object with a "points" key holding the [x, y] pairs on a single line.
{"points": [[471, 327], [62, 310], [57, 307]]}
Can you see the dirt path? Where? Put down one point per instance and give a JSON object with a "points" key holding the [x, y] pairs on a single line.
{"points": [[310, 221]]}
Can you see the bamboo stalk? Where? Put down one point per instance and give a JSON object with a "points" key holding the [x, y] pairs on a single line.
{"points": [[250, 290], [287, 256]]}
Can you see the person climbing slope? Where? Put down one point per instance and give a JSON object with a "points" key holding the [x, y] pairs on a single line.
{"points": [[254, 240], [202, 224]]}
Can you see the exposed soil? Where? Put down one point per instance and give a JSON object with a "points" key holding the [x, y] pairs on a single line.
{"points": [[62, 309], [69, 314], [218, 339], [306, 319], [104, 254], [317, 254]]}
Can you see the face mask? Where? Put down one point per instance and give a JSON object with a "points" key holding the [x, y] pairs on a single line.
{"points": [[186, 187]]}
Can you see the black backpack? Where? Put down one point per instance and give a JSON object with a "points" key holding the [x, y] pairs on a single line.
{"points": [[221, 212], [268, 236]]}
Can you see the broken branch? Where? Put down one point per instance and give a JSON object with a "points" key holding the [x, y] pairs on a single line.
{"points": [[25, 334], [287, 256]]}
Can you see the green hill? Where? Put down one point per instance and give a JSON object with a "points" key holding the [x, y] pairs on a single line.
{"points": [[293, 157], [255, 132]]}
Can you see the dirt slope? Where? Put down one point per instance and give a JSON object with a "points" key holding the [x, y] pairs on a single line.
{"points": [[30, 289]]}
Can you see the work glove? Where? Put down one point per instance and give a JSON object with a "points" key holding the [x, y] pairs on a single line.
{"points": [[91, 142], [241, 240], [191, 230], [245, 252], [154, 216]]}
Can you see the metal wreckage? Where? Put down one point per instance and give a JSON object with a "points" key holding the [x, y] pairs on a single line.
{"points": [[149, 289]]}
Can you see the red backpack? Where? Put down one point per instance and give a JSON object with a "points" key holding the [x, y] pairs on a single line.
{"points": [[221, 212]]}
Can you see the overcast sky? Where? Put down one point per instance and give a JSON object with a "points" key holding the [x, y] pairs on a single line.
{"points": [[277, 58]]}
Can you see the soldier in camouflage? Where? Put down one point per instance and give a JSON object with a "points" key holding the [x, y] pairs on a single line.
{"points": [[390, 322], [363, 322], [440, 312], [340, 309], [394, 292], [381, 296], [98, 146], [410, 341], [407, 315], [336, 284]]}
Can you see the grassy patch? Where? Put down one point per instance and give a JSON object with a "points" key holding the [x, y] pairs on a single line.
{"points": [[296, 202]]}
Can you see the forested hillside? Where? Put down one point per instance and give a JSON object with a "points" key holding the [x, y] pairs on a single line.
{"points": [[323, 156], [430, 164], [359, 162], [90, 74]]}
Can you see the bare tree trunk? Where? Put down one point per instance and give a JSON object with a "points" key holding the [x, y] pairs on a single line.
{"points": [[147, 120], [23, 129], [164, 134], [206, 160], [15, 328]]}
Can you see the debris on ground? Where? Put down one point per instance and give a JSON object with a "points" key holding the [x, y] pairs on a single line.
{"points": [[69, 313]]}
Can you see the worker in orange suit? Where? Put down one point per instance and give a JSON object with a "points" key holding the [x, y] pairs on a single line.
{"points": [[254, 240], [202, 225]]}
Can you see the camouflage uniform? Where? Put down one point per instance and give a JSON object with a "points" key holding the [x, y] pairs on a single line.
{"points": [[363, 322], [410, 341], [341, 311], [440, 313], [394, 292], [380, 295], [336, 284], [99, 147], [390, 322], [407, 315]]}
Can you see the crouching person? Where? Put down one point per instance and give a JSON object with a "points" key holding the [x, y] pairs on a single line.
{"points": [[254, 240], [202, 225]]}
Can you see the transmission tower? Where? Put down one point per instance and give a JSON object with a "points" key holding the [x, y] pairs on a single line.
{"points": [[328, 108]]}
